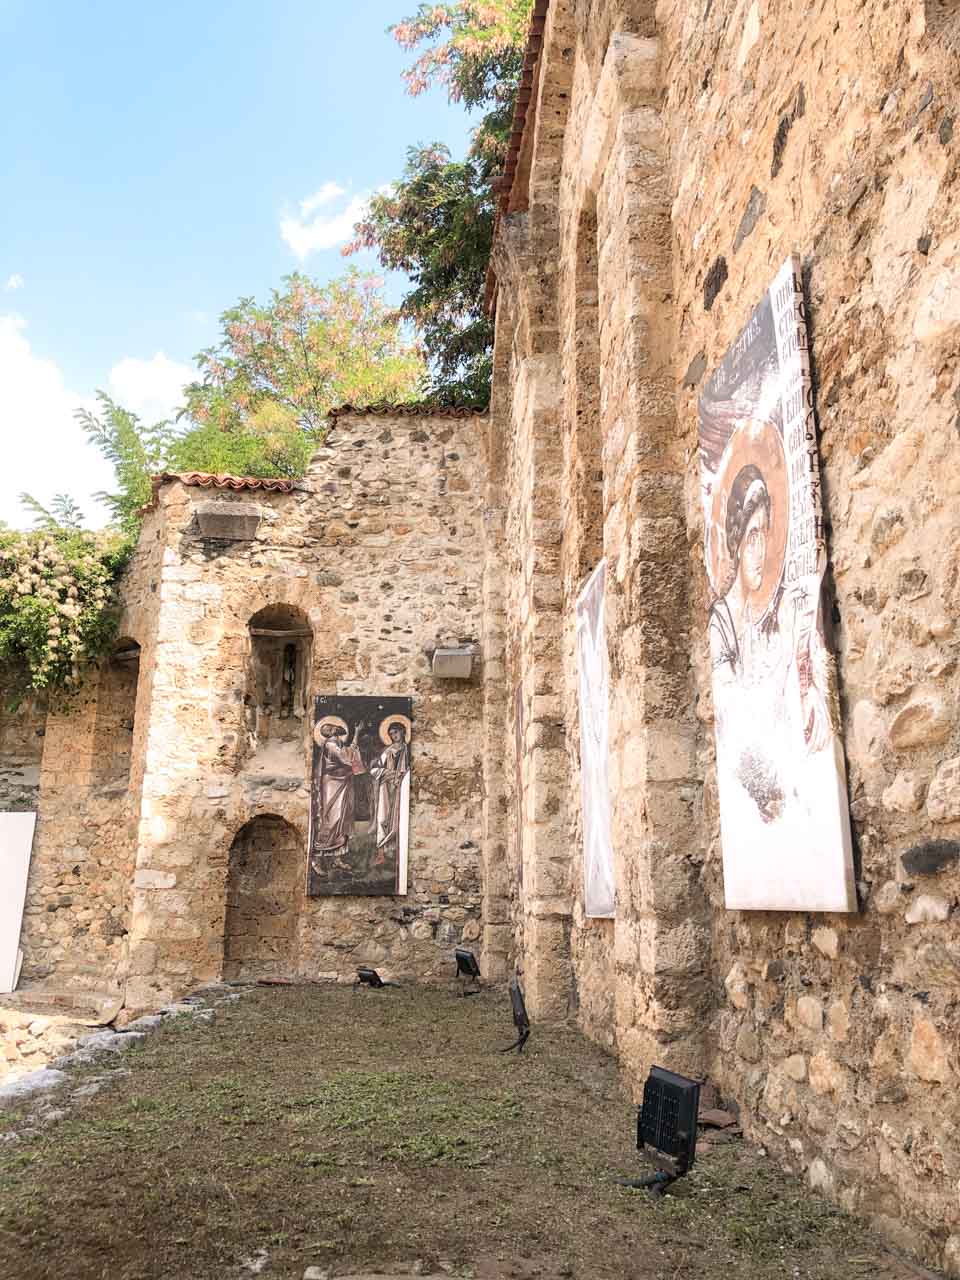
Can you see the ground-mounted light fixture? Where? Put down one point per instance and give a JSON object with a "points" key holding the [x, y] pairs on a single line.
{"points": [[666, 1128], [367, 977], [520, 1018], [467, 967], [453, 662]]}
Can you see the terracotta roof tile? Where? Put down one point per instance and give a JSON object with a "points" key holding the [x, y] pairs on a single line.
{"points": [[416, 409], [205, 480], [524, 117]]}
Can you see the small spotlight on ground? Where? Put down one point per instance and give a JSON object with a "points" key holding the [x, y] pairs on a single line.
{"points": [[520, 1019], [666, 1128], [467, 967], [367, 977]]}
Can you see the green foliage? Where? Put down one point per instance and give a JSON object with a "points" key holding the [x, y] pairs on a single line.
{"points": [[436, 222], [57, 604], [284, 365], [63, 512], [136, 451]]}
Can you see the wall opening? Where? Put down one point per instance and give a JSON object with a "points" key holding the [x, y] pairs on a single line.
{"points": [[264, 891], [21, 747], [278, 676], [116, 711]]}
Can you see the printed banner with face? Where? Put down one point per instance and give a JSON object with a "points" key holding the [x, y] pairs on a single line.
{"points": [[598, 884], [784, 818], [360, 796]]}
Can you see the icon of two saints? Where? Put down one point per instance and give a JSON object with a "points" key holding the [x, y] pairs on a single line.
{"points": [[361, 793]]}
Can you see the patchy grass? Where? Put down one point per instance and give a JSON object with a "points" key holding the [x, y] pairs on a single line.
{"points": [[332, 1128]]}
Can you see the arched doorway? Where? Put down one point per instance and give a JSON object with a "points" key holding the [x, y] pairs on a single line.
{"points": [[264, 892]]}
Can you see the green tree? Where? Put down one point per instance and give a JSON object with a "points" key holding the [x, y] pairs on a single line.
{"points": [[283, 365], [436, 222], [260, 405]]}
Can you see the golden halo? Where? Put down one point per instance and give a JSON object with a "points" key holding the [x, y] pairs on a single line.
{"points": [[759, 444], [385, 728], [318, 737]]}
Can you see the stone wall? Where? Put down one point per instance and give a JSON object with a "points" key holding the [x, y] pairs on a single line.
{"points": [[670, 163], [833, 137], [76, 914], [378, 556]]}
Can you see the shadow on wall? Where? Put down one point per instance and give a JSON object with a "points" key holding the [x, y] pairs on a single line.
{"points": [[116, 710], [265, 877]]}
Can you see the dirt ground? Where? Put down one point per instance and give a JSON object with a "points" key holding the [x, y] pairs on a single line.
{"points": [[314, 1126]]}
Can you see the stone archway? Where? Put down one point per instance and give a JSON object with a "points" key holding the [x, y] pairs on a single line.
{"points": [[264, 896]]}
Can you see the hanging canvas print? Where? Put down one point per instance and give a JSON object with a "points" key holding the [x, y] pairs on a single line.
{"points": [[784, 818], [598, 887], [360, 796]]}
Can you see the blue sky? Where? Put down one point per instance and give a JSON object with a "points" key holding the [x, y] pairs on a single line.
{"points": [[159, 162]]}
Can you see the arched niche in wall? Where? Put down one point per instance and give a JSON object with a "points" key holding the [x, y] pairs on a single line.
{"points": [[265, 885], [278, 679], [116, 710]]}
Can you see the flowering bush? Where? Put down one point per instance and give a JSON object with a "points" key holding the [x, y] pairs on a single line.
{"points": [[57, 605]]}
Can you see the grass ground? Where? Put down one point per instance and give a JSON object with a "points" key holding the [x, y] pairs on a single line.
{"points": [[314, 1126]]}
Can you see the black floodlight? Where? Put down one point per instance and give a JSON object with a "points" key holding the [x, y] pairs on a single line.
{"points": [[520, 1019], [367, 977], [667, 1128], [467, 967]]}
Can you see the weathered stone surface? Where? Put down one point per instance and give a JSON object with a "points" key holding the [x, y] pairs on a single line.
{"points": [[748, 1044], [810, 1013], [827, 941], [905, 794], [796, 1067], [925, 721], [927, 908], [927, 1058], [229, 521], [943, 797]]}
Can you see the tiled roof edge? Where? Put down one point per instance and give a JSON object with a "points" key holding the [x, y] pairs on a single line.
{"points": [[207, 480], [421, 409]]}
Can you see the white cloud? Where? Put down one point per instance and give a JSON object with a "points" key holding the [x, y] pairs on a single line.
{"points": [[310, 230], [45, 450], [327, 193], [16, 281], [152, 389]]}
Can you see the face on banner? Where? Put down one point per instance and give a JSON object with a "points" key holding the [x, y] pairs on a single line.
{"points": [[360, 796], [783, 807], [598, 879]]}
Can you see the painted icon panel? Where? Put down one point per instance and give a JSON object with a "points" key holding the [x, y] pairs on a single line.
{"points": [[784, 817], [360, 796]]}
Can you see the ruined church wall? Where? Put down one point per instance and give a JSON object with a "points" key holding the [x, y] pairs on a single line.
{"points": [[831, 133], [701, 152], [76, 915], [584, 278], [380, 552]]}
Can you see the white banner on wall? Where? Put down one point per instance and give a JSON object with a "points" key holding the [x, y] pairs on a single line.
{"points": [[594, 678], [784, 818], [16, 842]]}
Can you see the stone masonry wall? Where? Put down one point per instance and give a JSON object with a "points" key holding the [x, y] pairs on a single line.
{"points": [[833, 137], [76, 915], [381, 554], [701, 148]]}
